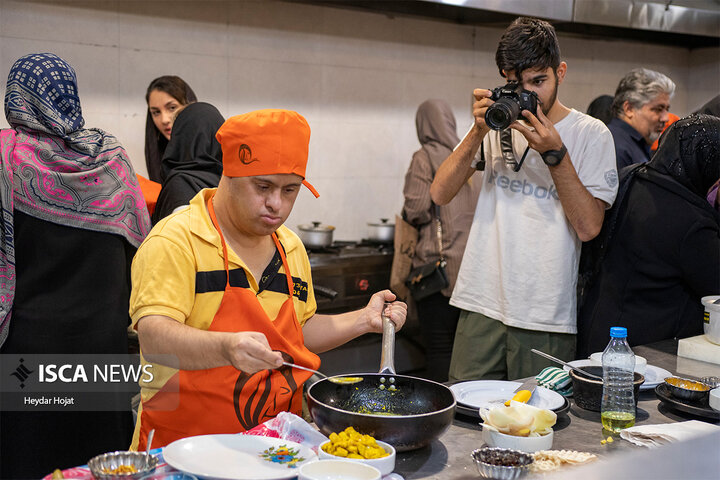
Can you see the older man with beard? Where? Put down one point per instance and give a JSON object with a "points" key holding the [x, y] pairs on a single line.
{"points": [[640, 107]]}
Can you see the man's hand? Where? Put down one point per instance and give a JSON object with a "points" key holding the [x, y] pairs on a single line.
{"points": [[480, 106], [397, 311], [250, 352], [545, 137]]}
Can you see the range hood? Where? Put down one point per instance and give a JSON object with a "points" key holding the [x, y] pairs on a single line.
{"points": [[689, 23]]}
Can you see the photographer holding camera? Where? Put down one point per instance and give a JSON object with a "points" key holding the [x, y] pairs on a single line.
{"points": [[545, 187]]}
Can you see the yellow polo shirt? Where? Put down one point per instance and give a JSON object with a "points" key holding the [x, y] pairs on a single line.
{"points": [[178, 272]]}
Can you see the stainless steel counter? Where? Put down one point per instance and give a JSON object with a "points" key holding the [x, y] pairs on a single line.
{"points": [[449, 456]]}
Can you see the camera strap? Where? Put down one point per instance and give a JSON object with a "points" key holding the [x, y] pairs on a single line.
{"points": [[508, 153], [506, 147], [508, 156]]}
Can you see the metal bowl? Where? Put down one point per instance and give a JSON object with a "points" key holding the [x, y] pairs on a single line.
{"points": [[102, 464], [501, 463], [686, 389], [713, 382]]}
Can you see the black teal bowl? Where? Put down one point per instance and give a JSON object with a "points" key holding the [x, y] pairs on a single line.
{"points": [[587, 392]]}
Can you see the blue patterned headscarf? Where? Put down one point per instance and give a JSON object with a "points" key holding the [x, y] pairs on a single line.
{"points": [[53, 169]]}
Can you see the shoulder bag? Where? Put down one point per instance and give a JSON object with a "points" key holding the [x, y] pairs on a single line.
{"points": [[430, 278]]}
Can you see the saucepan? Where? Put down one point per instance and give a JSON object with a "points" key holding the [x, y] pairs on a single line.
{"points": [[383, 232], [316, 235], [404, 411]]}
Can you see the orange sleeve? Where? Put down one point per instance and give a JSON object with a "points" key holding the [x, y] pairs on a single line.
{"points": [[672, 118], [150, 190]]}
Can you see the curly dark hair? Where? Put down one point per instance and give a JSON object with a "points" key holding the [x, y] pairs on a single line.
{"points": [[528, 43]]}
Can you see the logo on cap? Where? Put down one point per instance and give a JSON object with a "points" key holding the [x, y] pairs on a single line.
{"points": [[245, 155]]}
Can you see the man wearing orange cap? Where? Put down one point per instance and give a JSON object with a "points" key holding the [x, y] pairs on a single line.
{"points": [[225, 288]]}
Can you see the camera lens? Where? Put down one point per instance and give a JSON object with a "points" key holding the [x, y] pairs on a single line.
{"points": [[502, 113]]}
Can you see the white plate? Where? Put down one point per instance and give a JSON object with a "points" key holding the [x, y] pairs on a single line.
{"points": [[654, 376], [491, 393], [235, 457]]}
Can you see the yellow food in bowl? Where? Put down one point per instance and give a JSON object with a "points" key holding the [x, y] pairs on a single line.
{"points": [[687, 384], [120, 469], [351, 444]]}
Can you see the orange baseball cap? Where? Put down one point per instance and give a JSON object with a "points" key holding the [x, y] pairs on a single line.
{"points": [[265, 142]]}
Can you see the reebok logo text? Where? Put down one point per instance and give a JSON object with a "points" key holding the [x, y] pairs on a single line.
{"points": [[526, 188]]}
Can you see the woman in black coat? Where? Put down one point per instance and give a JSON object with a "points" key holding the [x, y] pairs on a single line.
{"points": [[659, 250]]}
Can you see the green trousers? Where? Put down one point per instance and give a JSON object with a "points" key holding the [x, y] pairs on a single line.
{"points": [[487, 349]]}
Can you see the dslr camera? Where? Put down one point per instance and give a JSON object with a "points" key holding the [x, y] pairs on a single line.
{"points": [[510, 100]]}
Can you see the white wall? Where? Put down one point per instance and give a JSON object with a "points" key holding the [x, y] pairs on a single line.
{"points": [[357, 77]]}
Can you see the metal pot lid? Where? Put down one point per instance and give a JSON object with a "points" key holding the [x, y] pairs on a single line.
{"points": [[316, 227], [384, 223]]}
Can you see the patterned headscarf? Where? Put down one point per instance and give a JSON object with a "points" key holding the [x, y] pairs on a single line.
{"points": [[53, 169]]}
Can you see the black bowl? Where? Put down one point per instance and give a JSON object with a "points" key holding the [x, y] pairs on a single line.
{"points": [[587, 392]]}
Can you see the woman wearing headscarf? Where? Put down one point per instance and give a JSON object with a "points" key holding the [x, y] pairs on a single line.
{"points": [[73, 216], [659, 249], [165, 95], [193, 158], [437, 134]]}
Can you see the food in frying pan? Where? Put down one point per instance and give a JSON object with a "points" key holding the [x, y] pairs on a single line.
{"points": [[351, 444]]}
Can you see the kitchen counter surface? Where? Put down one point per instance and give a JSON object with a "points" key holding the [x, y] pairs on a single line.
{"points": [[578, 429], [449, 456]]}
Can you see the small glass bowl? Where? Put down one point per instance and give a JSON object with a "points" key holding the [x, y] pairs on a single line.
{"points": [[501, 463]]}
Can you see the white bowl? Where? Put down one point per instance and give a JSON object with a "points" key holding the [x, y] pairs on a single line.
{"points": [[714, 399], [494, 438], [385, 464], [337, 470], [640, 362]]}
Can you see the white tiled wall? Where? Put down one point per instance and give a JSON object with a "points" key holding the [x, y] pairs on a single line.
{"points": [[357, 77]]}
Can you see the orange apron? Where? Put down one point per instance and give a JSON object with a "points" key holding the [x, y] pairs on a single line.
{"points": [[223, 399]]}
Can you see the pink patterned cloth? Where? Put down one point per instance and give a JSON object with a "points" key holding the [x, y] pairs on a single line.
{"points": [[53, 169]]}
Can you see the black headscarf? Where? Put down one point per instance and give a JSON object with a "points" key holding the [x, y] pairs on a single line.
{"points": [[193, 157], [689, 153]]}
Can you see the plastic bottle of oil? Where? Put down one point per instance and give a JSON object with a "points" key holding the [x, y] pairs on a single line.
{"points": [[618, 402]]}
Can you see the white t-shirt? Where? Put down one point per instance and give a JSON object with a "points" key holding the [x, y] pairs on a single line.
{"points": [[521, 260]]}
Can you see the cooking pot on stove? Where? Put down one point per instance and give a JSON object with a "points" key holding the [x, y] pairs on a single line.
{"points": [[381, 232], [316, 235]]}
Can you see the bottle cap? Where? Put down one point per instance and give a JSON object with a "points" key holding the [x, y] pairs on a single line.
{"points": [[618, 332]]}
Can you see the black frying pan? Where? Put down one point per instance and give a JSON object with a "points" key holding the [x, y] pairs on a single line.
{"points": [[409, 416]]}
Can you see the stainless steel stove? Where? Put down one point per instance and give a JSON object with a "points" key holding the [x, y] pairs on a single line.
{"points": [[345, 275]]}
